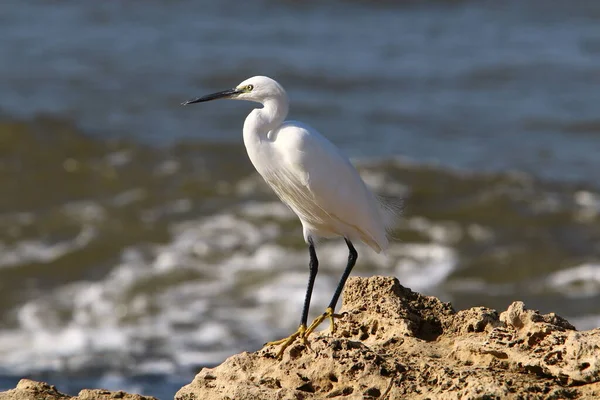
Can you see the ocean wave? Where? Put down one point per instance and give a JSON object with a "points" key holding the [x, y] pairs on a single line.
{"points": [[163, 260]]}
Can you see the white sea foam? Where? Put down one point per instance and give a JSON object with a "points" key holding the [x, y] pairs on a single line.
{"points": [[384, 184], [84, 212], [442, 232], [588, 205], [275, 209], [119, 158], [129, 196], [587, 199], [27, 251], [167, 168], [581, 280], [220, 285], [423, 266]]}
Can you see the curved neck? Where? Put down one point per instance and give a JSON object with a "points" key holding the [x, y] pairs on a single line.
{"points": [[263, 120]]}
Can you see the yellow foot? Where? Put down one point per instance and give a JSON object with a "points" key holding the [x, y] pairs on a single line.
{"points": [[286, 342], [327, 314]]}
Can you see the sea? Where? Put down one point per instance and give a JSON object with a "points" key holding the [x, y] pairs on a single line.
{"points": [[137, 242]]}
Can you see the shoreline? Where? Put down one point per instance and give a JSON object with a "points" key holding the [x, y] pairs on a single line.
{"points": [[393, 343]]}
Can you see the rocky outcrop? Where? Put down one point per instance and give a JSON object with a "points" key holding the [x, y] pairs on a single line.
{"points": [[30, 390], [393, 343]]}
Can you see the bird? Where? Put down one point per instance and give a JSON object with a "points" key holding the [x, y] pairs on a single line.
{"points": [[314, 179]]}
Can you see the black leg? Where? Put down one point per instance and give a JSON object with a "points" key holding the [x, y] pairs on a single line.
{"points": [[352, 257], [330, 311], [313, 266]]}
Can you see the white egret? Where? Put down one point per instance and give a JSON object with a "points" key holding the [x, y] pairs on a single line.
{"points": [[313, 178]]}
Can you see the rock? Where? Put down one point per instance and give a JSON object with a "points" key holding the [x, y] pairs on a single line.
{"points": [[393, 343], [30, 390]]}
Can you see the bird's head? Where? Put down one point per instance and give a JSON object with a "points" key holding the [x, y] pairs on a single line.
{"points": [[258, 89]]}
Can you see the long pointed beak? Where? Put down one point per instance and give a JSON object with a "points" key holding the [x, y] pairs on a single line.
{"points": [[219, 95]]}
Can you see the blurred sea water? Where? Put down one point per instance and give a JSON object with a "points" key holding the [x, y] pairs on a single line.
{"points": [[137, 244]]}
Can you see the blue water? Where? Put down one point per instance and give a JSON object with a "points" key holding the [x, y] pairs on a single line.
{"points": [[472, 84]]}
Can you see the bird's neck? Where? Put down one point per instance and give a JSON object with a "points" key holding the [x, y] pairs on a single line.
{"points": [[263, 120]]}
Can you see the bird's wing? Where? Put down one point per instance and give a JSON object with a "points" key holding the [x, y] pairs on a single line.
{"points": [[321, 185]]}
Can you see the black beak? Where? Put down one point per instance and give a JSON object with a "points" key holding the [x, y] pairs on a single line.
{"points": [[219, 95]]}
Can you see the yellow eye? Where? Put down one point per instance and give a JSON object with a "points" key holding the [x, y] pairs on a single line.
{"points": [[249, 88]]}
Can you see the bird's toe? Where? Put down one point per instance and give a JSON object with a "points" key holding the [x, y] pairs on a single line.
{"points": [[328, 314], [286, 342]]}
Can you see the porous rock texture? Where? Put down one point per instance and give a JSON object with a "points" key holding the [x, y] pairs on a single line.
{"points": [[30, 390], [392, 343]]}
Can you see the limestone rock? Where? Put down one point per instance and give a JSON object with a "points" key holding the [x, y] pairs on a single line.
{"points": [[393, 343], [31, 390]]}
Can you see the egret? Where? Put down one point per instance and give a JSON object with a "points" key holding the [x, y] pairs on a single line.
{"points": [[314, 179]]}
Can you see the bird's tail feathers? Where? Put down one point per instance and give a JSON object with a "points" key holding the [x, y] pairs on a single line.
{"points": [[390, 210]]}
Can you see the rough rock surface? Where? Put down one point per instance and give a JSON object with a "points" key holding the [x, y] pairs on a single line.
{"points": [[30, 390], [392, 343]]}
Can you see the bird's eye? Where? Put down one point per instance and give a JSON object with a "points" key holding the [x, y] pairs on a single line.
{"points": [[249, 87]]}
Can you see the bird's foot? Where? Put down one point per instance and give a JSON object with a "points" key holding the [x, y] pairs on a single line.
{"points": [[286, 342], [327, 314]]}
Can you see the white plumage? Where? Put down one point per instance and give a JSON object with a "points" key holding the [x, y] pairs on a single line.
{"points": [[308, 172], [321, 186]]}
